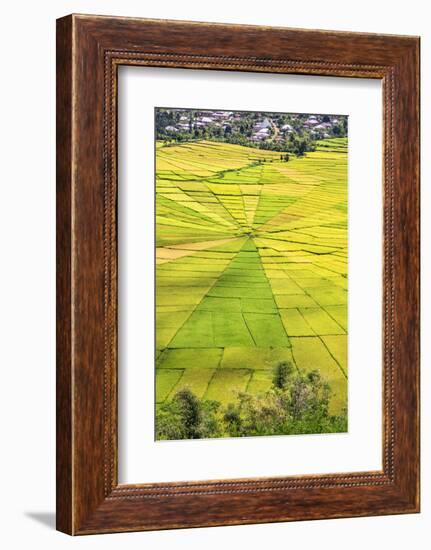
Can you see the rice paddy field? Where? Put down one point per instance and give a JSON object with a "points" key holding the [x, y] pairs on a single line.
{"points": [[251, 268]]}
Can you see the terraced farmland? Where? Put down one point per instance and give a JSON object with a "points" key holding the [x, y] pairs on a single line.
{"points": [[251, 268]]}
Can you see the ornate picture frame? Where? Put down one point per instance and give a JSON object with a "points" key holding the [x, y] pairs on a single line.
{"points": [[89, 51]]}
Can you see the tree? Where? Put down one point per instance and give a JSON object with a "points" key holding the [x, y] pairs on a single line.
{"points": [[187, 417], [190, 411], [232, 418], [344, 125], [282, 373], [302, 147]]}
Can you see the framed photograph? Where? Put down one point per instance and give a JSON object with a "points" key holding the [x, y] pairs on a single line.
{"points": [[237, 274]]}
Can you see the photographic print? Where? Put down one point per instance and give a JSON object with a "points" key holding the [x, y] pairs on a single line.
{"points": [[251, 273]]}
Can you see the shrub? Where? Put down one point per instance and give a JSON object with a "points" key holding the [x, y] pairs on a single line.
{"points": [[282, 372], [190, 411], [232, 420]]}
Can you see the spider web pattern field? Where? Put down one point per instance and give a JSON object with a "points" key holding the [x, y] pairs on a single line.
{"points": [[251, 268]]}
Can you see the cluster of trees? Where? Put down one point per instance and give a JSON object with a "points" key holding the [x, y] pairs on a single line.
{"points": [[294, 145], [296, 403]]}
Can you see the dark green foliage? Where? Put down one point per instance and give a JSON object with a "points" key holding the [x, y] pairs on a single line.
{"points": [[190, 411], [297, 403], [187, 417], [232, 419], [281, 375], [179, 418]]}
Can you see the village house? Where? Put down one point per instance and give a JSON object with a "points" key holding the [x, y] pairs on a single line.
{"points": [[224, 115], [311, 121], [206, 120], [262, 125], [287, 128]]}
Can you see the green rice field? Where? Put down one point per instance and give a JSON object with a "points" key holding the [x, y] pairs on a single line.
{"points": [[251, 268]]}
